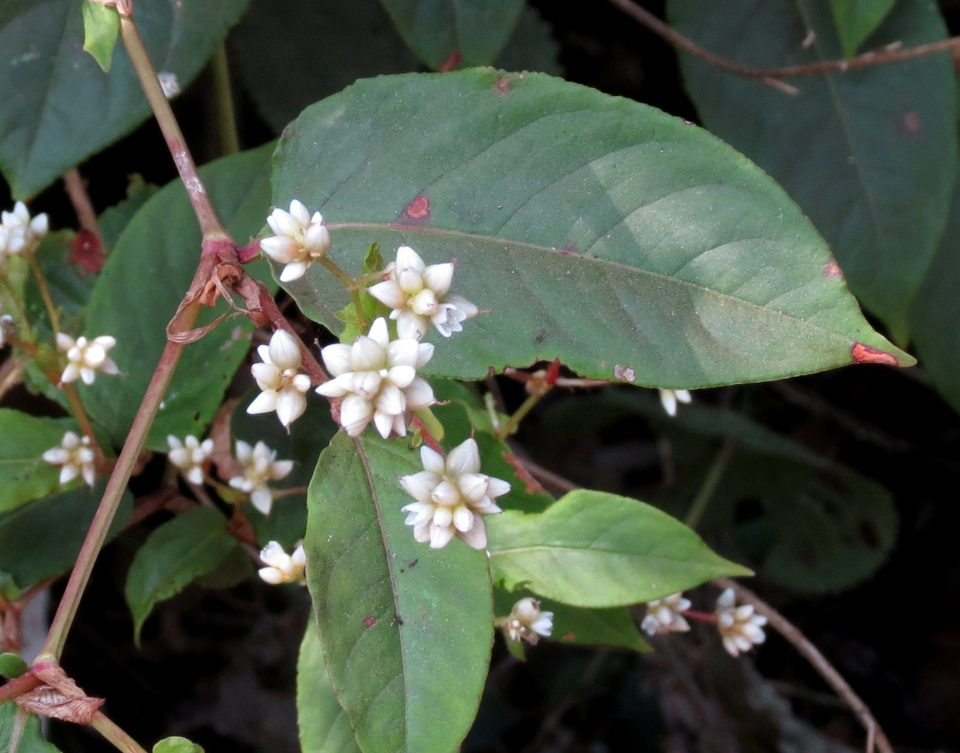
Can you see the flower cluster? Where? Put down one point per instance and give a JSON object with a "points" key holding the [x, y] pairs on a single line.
{"points": [[664, 615], [259, 467], [298, 240], [740, 627], [420, 294], [282, 567], [452, 496], [377, 379], [86, 357], [670, 398], [280, 379], [526, 622], [19, 233], [189, 456], [76, 457]]}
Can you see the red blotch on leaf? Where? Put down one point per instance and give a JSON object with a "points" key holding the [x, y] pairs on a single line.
{"points": [[911, 122], [866, 354], [86, 252], [832, 269], [503, 85], [451, 62], [370, 622], [418, 209], [569, 637]]}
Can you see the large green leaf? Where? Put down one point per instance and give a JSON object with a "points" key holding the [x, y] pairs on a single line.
{"points": [[406, 630], [24, 474], [175, 555], [324, 727], [59, 107], [437, 29], [858, 19], [42, 539], [29, 735], [141, 286], [595, 229], [870, 155], [593, 549]]}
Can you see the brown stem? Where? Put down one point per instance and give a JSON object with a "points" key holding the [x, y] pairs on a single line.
{"points": [[889, 54], [77, 191], [80, 415], [810, 652], [45, 293], [547, 477], [309, 362], [19, 686]]}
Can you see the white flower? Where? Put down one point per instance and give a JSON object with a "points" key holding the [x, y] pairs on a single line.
{"points": [[740, 628], [283, 567], [669, 399], [663, 615], [189, 456], [452, 497], [259, 467], [299, 240], [75, 455], [280, 379], [86, 357], [419, 294], [378, 380], [527, 623], [20, 233], [6, 325]]}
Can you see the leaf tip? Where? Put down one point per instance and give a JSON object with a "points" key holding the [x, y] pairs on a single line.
{"points": [[862, 353]]}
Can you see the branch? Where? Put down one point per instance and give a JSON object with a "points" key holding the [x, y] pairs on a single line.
{"points": [[810, 652], [890, 54], [77, 191]]}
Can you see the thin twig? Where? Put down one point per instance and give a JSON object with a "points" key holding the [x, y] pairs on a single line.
{"points": [[223, 95], [120, 739], [808, 651], [77, 191], [889, 54], [710, 483], [546, 476]]}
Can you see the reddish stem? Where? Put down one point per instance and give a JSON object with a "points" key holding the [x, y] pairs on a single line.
{"points": [[431, 441], [18, 686], [701, 616]]}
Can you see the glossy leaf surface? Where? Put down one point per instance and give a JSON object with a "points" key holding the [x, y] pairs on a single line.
{"points": [[869, 155], [24, 474], [406, 630], [437, 29], [687, 265], [858, 19], [593, 549], [176, 745], [174, 555], [324, 727], [101, 27], [60, 107], [154, 261], [29, 736]]}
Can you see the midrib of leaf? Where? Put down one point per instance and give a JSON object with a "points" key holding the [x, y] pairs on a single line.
{"points": [[371, 484], [604, 264]]}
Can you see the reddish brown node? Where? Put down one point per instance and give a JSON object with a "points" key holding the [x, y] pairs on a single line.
{"points": [[418, 209], [86, 252], [370, 622], [451, 62], [866, 354]]}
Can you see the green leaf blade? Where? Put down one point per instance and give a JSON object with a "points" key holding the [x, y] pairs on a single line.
{"points": [[406, 630], [593, 549], [29, 736], [24, 474], [174, 555], [689, 267], [858, 19], [882, 138], [324, 727], [101, 27]]}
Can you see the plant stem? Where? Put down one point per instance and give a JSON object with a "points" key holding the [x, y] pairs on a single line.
{"points": [[348, 283], [15, 299], [77, 191], [700, 503], [209, 222], [81, 415], [512, 423], [19, 686], [120, 739], [223, 94], [45, 293]]}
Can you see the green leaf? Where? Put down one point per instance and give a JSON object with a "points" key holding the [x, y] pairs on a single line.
{"points": [[154, 261], [101, 27], [858, 19], [593, 549], [114, 220], [477, 30], [690, 267], [406, 630], [24, 474], [176, 745], [42, 539], [883, 139], [18, 726], [174, 555], [11, 666], [324, 727], [579, 626], [306, 438], [59, 107]]}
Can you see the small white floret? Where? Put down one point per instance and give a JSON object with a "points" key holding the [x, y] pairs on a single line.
{"points": [[298, 240], [19, 233], [259, 467], [283, 567], [420, 294], [670, 398], [86, 357], [76, 458], [527, 623], [280, 379], [189, 456], [665, 615], [740, 627], [452, 496]]}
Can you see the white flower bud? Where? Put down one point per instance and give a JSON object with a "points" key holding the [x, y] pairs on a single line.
{"points": [[19, 233], [86, 357], [259, 467], [278, 376], [189, 456], [283, 567], [298, 240], [76, 457], [740, 627], [527, 623], [669, 399], [664, 615]]}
